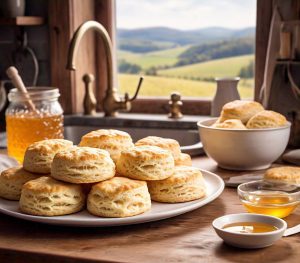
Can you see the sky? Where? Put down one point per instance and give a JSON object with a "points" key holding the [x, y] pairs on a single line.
{"points": [[186, 14]]}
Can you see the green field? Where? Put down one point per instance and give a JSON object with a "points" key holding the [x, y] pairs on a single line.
{"points": [[180, 78], [210, 69], [163, 86], [166, 57]]}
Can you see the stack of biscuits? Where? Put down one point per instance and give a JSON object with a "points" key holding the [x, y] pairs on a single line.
{"points": [[244, 115], [106, 172]]}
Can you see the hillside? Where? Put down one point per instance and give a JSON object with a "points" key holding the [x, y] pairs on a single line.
{"points": [[208, 53], [210, 69], [144, 46], [183, 37], [161, 86], [167, 57], [216, 50]]}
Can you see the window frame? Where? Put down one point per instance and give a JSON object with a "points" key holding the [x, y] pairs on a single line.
{"points": [[104, 12]]}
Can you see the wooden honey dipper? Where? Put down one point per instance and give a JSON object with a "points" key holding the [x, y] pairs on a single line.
{"points": [[13, 74]]}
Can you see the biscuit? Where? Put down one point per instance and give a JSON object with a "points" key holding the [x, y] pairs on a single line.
{"points": [[46, 196], [186, 184], [12, 180], [266, 119], [39, 155], [113, 141], [285, 174], [146, 163], [230, 124], [184, 159], [164, 143], [119, 197], [241, 110], [82, 165]]}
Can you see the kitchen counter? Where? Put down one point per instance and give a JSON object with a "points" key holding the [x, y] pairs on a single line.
{"points": [[185, 238]]}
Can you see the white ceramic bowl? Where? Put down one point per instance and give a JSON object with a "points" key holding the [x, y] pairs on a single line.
{"points": [[251, 149], [249, 240]]}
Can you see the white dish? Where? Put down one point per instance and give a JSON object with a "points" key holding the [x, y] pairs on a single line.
{"points": [[214, 184], [249, 240], [251, 149]]}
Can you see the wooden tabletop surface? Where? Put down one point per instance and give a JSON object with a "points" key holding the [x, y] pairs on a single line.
{"points": [[185, 238]]}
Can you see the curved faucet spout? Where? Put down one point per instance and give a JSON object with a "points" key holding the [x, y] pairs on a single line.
{"points": [[112, 103], [74, 46]]}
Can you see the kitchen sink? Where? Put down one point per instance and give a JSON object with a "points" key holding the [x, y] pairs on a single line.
{"points": [[185, 137], [139, 126]]}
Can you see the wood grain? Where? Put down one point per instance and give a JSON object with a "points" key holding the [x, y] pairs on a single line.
{"points": [[263, 20], [186, 238], [105, 11], [64, 18], [22, 21]]}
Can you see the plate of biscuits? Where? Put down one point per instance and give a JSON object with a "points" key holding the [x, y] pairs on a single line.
{"points": [[106, 180]]}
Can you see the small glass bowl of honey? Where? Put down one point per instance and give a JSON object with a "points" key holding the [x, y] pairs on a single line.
{"points": [[269, 198]]}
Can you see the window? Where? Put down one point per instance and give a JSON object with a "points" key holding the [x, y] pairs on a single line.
{"points": [[183, 45], [76, 12]]}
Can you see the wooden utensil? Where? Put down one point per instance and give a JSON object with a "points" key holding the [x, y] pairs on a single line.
{"points": [[13, 74]]}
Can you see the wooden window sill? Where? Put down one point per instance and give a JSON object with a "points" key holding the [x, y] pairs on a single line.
{"points": [[191, 106]]}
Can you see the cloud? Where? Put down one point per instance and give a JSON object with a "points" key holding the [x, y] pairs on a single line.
{"points": [[186, 14]]}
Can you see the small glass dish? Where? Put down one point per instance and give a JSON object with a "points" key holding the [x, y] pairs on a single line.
{"points": [[269, 198]]}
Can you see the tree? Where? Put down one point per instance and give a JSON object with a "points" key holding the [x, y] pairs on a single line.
{"points": [[126, 67], [151, 71], [247, 72]]}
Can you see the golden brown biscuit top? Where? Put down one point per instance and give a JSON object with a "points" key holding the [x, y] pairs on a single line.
{"points": [[242, 105], [285, 172], [49, 146], [230, 124], [146, 152], [107, 134], [267, 118], [117, 185], [240, 109], [47, 184], [164, 143], [17, 173], [77, 154], [182, 174]]}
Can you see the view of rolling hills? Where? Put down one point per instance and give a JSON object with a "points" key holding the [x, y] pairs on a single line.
{"points": [[185, 60]]}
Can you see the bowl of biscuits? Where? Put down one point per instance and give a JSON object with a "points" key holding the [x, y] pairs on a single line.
{"points": [[107, 174], [245, 136]]}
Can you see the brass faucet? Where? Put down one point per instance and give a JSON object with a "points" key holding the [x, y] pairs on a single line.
{"points": [[112, 103]]}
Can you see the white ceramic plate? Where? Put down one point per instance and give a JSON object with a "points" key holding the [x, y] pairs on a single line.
{"points": [[214, 184]]}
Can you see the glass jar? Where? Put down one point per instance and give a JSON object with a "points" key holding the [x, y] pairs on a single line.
{"points": [[26, 125]]}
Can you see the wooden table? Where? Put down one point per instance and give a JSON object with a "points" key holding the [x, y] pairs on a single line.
{"points": [[185, 238]]}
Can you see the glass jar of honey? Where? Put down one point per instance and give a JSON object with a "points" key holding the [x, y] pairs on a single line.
{"points": [[25, 125]]}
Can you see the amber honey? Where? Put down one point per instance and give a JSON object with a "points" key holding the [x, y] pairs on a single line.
{"points": [[22, 130], [249, 227], [279, 205]]}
